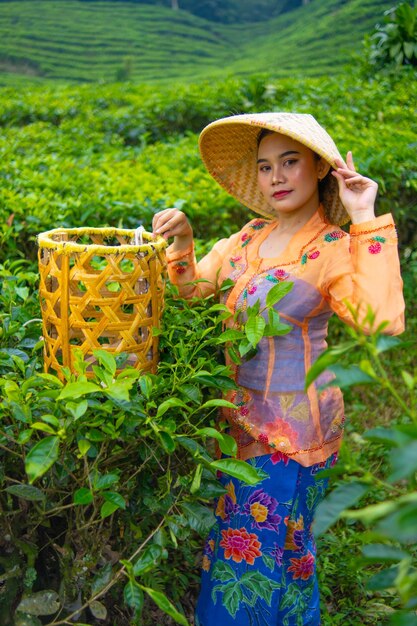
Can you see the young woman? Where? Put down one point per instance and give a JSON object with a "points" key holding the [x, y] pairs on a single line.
{"points": [[259, 559]]}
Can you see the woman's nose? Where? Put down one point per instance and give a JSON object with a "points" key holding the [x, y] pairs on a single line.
{"points": [[277, 175]]}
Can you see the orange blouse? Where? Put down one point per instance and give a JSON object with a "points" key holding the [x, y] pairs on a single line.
{"points": [[328, 269]]}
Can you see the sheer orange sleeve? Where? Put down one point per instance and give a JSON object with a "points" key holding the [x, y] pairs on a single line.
{"points": [[365, 272], [183, 269]]}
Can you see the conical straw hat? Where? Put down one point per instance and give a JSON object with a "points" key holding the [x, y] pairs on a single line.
{"points": [[229, 149]]}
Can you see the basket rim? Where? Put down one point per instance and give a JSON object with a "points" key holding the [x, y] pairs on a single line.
{"points": [[45, 240]]}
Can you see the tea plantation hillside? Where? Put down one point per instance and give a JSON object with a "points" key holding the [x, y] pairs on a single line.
{"points": [[104, 41]]}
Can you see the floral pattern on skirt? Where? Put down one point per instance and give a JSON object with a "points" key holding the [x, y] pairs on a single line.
{"points": [[259, 561]]}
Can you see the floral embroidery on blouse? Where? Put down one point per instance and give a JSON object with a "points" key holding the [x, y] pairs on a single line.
{"points": [[334, 235], [234, 259], [314, 254], [376, 247], [181, 267], [246, 238], [258, 224]]}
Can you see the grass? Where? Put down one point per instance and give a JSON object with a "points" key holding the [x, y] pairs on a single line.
{"points": [[75, 41]]}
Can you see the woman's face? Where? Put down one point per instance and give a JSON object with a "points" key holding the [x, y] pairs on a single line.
{"points": [[288, 175]]}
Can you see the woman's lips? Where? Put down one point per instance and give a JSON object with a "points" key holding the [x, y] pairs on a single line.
{"points": [[280, 194]]}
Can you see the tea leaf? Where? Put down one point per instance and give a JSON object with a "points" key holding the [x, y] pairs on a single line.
{"points": [[341, 498], [165, 605], [238, 469], [26, 492], [41, 457]]}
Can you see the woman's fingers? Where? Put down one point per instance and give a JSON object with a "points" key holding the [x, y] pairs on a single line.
{"points": [[171, 223]]}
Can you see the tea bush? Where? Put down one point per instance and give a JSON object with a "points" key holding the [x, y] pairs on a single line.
{"points": [[79, 156], [112, 524]]}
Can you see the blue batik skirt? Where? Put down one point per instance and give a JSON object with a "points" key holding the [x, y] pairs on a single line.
{"points": [[259, 561]]}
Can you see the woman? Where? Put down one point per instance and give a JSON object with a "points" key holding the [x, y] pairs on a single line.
{"points": [[259, 560]]}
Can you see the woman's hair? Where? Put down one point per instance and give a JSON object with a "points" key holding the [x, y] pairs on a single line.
{"points": [[264, 132]]}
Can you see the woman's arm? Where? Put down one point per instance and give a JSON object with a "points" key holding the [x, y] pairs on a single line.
{"points": [[183, 268], [364, 272]]}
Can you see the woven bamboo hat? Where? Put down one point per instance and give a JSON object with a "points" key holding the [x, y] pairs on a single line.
{"points": [[229, 148]]}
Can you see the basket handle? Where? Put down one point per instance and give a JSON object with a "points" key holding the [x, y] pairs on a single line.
{"points": [[139, 236]]}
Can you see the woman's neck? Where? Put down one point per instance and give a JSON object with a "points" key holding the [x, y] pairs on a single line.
{"points": [[294, 221]]}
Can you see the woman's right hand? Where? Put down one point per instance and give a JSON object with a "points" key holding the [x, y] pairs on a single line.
{"points": [[173, 223]]}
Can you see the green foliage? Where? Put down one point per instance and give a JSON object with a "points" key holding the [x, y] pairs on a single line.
{"points": [[117, 505], [129, 151], [389, 536], [394, 43], [113, 468], [88, 41]]}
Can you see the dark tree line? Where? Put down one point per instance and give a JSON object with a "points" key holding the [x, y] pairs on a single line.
{"points": [[225, 11]]}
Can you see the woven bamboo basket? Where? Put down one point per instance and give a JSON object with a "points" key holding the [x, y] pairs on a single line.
{"points": [[100, 288]]}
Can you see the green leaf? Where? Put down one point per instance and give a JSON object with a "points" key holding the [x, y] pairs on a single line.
{"points": [[387, 342], [51, 419], [46, 428], [218, 402], [108, 508], [78, 389], [230, 334], [260, 585], [168, 443], [254, 329], [232, 597], [277, 292], [326, 358], [101, 579], [24, 436], [351, 375], [226, 443], [26, 492], [390, 437], [40, 603], [77, 409], [196, 482], [291, 596], [165, 605], [98, 609], [329, 510], [83, 445], [41, 457], [406, 618], [133, 596], [401, 524], [83, 496], [269, 562], [120, 389], [114, 497], [169, 404], [408, 379], [238, 469], [199, 517], [104, 481], [222, 571], [146, 385], [192, 392], [383, 580], [220, 382], [149, 559], [380, 552], [107, 360], [403, 461]]}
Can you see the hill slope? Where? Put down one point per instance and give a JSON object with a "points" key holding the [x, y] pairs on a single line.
{"points": [[73, 41]]}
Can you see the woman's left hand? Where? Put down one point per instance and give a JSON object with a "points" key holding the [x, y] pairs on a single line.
{"points": [[356, 192]]}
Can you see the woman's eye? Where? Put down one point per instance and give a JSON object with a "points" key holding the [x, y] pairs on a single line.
{"points": [[290, 162], [264, 168]]}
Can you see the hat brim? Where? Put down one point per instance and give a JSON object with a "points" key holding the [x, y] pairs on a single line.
{"points": [[229, 149]]}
